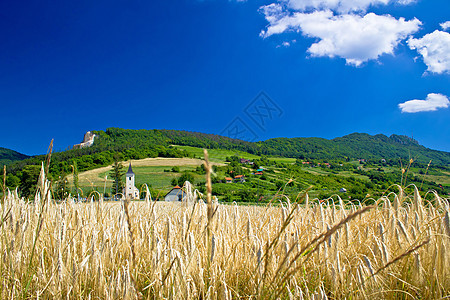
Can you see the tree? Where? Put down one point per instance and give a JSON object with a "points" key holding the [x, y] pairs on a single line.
{"points": [[116, 174], [246, 195], [12, 181], [29, 179], [186, 176]]}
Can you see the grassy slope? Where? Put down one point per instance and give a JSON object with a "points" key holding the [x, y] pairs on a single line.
{"points": [[216, 155]]}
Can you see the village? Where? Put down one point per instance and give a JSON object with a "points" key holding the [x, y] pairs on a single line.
{"points": [[130, 191], [239, 171]]}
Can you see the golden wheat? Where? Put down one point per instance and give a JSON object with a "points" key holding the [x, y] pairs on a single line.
{"points": [[168, 250]]}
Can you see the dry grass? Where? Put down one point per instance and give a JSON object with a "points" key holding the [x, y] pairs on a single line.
{"points": [[180, 251]]}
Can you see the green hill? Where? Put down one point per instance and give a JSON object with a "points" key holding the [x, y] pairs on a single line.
{"points": [[327, 165], [138, 144], [356, 146], [8, 156], [349, 147]]}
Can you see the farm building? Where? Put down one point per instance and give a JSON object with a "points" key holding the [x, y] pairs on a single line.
{"points": [[228, 179], [176, 194], [239, 178], [130, 191], [246, 161]]}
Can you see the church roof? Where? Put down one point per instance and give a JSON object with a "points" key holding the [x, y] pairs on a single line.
{"points": [[130, 170]]}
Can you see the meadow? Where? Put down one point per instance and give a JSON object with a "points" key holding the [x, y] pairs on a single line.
{"points": [[303, 249]]}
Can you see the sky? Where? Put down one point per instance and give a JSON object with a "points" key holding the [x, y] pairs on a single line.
{"points": [[246, 69]]}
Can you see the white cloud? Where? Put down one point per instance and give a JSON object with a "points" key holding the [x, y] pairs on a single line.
{"points": [[432, 103], [435, 50], [353, 37], [445, 25], [341, 6]]}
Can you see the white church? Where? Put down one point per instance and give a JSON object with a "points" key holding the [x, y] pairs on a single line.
{"points": [[130, 191]]}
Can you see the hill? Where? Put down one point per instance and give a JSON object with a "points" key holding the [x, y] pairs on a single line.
{"points": [[357, 146], [361, 163], [349, 147], [8, 156], [139, 144]]}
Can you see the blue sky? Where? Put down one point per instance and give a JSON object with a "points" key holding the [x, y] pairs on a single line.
{"points": [[328, 68]]}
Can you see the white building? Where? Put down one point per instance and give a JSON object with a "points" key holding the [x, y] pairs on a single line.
{"points": [[176, 194], [130, 191]]}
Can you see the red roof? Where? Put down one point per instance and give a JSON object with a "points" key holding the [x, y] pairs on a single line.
{"points": [[238, 176], [177, 187], [228, 178], [258, 173]]}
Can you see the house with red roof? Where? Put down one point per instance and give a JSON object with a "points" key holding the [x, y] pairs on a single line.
{"points": [[239, 178], [176, 194]]}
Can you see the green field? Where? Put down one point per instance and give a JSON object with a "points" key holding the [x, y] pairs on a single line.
{"points": [[158, 177], [219, 155]]}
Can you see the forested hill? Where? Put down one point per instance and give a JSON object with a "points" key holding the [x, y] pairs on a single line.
{"points": [[8, 156], [349, 147], [357, 146]]}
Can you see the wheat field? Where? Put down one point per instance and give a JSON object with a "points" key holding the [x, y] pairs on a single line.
{"points": [[396, 249]]}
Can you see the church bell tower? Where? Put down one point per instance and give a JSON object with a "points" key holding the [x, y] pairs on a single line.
{"points": [[129, 184]]}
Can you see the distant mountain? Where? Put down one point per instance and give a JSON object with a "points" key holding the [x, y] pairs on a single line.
{"points": [[8, 156]]}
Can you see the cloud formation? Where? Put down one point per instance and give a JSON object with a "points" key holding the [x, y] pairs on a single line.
{"points": [[435, 50], [342, 27], [431, 103], [355, 38], [340, 6], [445, 25]]}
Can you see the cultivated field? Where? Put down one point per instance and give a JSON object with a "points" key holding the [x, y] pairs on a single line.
{"points": [[149, 170], [195, 250]]}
